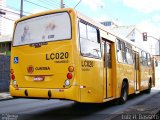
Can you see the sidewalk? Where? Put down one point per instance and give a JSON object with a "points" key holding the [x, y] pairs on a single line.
{"points": [[5, 96]]}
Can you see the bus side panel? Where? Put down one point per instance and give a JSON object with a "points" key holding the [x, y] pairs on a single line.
{"points": [[125, 71], [91, 80], [146, 74]]}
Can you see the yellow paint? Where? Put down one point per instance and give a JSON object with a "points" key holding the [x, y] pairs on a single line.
{"points": [[94, 84]]}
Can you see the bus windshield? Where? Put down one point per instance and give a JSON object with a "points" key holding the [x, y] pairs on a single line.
{"points": [[44, 28]]}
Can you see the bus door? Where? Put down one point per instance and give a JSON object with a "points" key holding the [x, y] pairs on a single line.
{"points": [[137, 73], [107, 57]]}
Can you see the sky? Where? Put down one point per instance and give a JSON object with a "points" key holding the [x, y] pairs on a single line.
{"points": [[145, 14]]}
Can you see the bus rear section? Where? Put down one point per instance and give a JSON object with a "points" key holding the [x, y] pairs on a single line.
{"points": [[42, 62]]}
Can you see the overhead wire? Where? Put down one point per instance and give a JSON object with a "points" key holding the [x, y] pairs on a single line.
{"points": [[77, 4], [13, 8], [16, 9], [48, 3], [53, 3], [36, 4], [8, 11], [7, 18]]}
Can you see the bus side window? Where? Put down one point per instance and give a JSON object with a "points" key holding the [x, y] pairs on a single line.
{"points": [[118, 45], [129, 55], [92, 33], [109, 59], [83, 30], [144, 58], [89, 43], [141, 58], [123, 52], [119, 52], [156, 63], [148, 60]]}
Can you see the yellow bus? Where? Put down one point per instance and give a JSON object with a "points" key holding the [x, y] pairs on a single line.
{"points": [[62, 54]]}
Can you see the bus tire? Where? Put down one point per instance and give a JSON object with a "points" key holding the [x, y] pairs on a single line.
{"points": [[124, 93], [149, 86]]}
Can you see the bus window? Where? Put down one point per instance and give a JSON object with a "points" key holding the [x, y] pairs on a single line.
{"points": [[92, 33], [123, 52], [118, 45], [140, 54], [83, 30], [89, 42], [44, 28], [119, 51], [109, 56], [144, 58], [129, 54], [156, 63], [148, 60]]}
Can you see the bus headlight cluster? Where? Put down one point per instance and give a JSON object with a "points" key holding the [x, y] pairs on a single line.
{"points": [[67, 82]]}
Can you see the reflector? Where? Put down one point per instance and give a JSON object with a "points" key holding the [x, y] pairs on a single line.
{"points": [[12, 77]]}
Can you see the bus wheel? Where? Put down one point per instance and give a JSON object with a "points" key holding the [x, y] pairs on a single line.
{"points": [[149, 86], [124, 93]]}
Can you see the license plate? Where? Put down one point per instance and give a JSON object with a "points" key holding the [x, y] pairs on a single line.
{"points": [[39, 78]]}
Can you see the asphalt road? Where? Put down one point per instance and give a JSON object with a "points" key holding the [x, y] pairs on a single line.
{"points": [[32, 109]]}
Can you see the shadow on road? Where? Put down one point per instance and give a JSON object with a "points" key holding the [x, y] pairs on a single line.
{"points": [[71, 110]]}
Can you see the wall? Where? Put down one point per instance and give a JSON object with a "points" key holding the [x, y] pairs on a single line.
{"points": [[4, 73]]}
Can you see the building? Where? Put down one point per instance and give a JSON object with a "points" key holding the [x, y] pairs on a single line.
{"points": [[2, 22], [7, 19], [135, 35]]}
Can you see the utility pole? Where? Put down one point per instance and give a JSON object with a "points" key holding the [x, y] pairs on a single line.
{"points": [[21, 10], [62, 4]]}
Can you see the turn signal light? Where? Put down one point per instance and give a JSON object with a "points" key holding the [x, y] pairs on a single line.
{"points": [[69, 75], [11, 71], [70, 68]]}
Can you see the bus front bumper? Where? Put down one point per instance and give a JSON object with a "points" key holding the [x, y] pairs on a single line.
{"points": [[71, 93]]}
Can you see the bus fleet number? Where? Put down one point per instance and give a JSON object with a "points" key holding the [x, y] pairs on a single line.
{"points": [[53, 56]]}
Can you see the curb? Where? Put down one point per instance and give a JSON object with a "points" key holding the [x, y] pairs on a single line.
{"points": [[5, 96], [9, 98]]}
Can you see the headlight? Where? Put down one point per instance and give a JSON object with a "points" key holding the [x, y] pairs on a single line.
{"points": [[67, 83]]}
